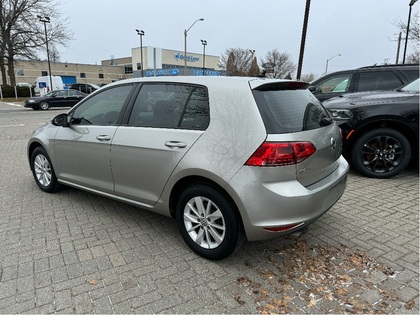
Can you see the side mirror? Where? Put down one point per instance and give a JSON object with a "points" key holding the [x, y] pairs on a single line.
{"points": [[314, 89], [60, 120]]}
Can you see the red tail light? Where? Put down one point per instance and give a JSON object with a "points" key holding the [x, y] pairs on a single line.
{"points": [[281, 153]]}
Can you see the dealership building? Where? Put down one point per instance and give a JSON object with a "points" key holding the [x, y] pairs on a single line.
{"points": [[156, 62]]}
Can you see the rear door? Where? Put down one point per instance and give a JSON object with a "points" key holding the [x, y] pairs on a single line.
{"points": [[73, 97], [166, 121]]}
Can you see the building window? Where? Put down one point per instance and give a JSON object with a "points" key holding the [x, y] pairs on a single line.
{"points": [[83, 75], [20, 73], [128, 69], [44, 73], [101, 75]]}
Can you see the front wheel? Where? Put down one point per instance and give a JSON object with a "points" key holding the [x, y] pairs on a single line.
{"points": [[43, 171], [381, 153], [207, 222]]}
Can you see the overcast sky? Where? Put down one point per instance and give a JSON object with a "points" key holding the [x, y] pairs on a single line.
{"points": [[362, 31]]}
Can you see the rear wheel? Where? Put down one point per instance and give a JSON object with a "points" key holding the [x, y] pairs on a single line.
{"points": [[43, 171], [381, 153], [44, 106], [207, 222]]}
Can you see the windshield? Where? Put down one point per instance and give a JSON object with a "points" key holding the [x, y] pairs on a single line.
{"points": [[411, 87]]}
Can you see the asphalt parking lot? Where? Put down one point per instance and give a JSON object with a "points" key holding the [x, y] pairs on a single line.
{"points": [[74, 252]]}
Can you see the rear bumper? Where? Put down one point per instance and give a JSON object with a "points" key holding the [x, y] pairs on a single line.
{"points": [[281, 203]]}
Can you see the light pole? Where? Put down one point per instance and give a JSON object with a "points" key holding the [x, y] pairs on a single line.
{"points": [[326, 66], [185, 44], [204, 42], [141, 34], [408, 28], [45, 20], [303, 39]]}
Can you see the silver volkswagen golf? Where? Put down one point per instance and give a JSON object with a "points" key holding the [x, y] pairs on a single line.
{"points": [[228, 157]]}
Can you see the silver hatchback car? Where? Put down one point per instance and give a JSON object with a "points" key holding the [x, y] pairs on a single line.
{"points": [[226, 156]]}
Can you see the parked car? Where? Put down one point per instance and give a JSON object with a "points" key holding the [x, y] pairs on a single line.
{"points": [[85, 87], [373, 78], [223, 155], [24, 84], [380, 129], [58, 98]]}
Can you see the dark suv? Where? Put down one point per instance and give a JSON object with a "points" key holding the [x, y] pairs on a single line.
{"points": [[380, 129], [372, 78], [85, 87]]}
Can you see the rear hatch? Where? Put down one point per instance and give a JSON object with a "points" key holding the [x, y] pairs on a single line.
{"points": [[293, 114]]}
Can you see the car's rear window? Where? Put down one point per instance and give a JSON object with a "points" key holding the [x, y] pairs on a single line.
{"points": [[284, 109]]}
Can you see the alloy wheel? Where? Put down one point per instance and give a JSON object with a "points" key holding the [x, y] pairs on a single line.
{"points": [[204, 222], [43, 171]]}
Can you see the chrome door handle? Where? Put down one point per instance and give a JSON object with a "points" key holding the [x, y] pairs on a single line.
{"points": [[103, 138], [175, 144]]}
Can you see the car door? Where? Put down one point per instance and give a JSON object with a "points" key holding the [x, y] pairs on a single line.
{"points": [[166, 121], [74, 97], [58, 98], [377, 80], [83, 148]]}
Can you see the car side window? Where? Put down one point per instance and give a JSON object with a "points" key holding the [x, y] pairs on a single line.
{"points": [[378, 80], [171, 106], [412, 74], [336, 84], [60, 93], [72, 93], [103, 108]]}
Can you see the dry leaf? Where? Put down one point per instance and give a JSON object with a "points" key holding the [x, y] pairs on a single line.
{"points": [[312, 302], [410, 305], [238, 299], [93, 281]]}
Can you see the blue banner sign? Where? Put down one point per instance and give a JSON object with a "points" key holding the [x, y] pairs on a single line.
{"points": [[162, 72], [208, 73]]}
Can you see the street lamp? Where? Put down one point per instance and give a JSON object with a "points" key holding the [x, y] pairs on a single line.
{"points": [[185, 45], [45, 20], [408, 28], [141, 34], [326, 67], [204, 42], [252, 51]]}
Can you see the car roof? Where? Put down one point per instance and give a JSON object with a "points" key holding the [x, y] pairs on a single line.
{"points": [[211, 81]]}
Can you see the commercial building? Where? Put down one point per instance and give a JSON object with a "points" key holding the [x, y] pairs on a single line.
{"points": [[156, 62]]}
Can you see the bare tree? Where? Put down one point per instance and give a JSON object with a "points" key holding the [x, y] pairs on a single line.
{"points": [[281, 64], [22, 35], [236, 61], [413, 36], [308, 77], [254, 71]]}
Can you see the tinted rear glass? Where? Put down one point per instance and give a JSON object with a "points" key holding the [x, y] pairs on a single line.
{"points": [[285, 111], [412, 74]]}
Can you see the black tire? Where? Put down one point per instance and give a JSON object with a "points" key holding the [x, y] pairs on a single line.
{"points": [[220, 213], [43, 171], [44, 105], [381, 153]]}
